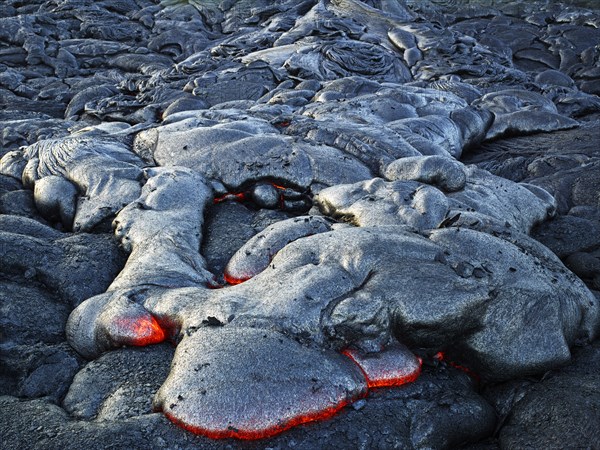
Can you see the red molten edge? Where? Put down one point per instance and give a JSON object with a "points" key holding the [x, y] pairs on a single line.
{"points": [[239, 196], [141, 331], [394, 366], [389, 368], [236, 433], [232, 280]]}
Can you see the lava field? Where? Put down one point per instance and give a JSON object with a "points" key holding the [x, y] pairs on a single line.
{"points": [[299, 224]]}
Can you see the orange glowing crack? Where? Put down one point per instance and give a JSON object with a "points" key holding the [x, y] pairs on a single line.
{"points": [[440, 356], [237, 433], [236, 196], [243, 196]]}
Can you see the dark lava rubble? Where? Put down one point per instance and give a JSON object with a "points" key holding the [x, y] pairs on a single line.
{"points": [[299, 224]]}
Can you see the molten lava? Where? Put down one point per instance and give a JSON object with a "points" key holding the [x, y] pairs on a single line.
{"points": [[394, 366], [235, 196], [231, 280], [258, 433], [140, 331], [245, 195], [278, 186]]}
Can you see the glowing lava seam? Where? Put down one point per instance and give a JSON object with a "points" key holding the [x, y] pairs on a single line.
{"points": [[440, 356], [236, 433]]}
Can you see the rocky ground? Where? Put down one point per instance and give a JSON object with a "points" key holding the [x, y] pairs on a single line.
{"points": [[299, 224]]}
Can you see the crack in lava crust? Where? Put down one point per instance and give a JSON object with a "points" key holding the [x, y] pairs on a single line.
{"points": [[441, 357]]}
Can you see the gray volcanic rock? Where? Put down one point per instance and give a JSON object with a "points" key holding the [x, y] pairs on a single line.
{"points": [[485, 201], [18, 325], [535, 41], [520, 111], [424, 417], [233, 151], [528, 296], [256, 147], [376, 202], [256, 254], [566, 235], [228, 226], [339, 290], [74, 266], [565, 404], [441, 129], [25, 128], [55, 198], [39, 370], [586, 266], [445, 173], [76, 159], [239, 152], [162, 230], [15, 200], [563, 163], [35, 360], [118, 385]]}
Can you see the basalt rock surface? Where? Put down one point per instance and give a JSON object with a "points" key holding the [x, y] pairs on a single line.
{"points": [[308, 224]]}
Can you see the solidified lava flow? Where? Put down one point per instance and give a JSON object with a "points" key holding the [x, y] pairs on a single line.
{"points": [[394, 366], [258, 432], [378, 155]]}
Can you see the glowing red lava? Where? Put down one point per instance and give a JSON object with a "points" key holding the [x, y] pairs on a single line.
{"points": [[236, 196], [278, 186], [140, 331], [393, 366], [231, 280], [258, 433], [244, 195]]}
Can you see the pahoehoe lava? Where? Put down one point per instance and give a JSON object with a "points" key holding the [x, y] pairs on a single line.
{"points": [[315, 224]]}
